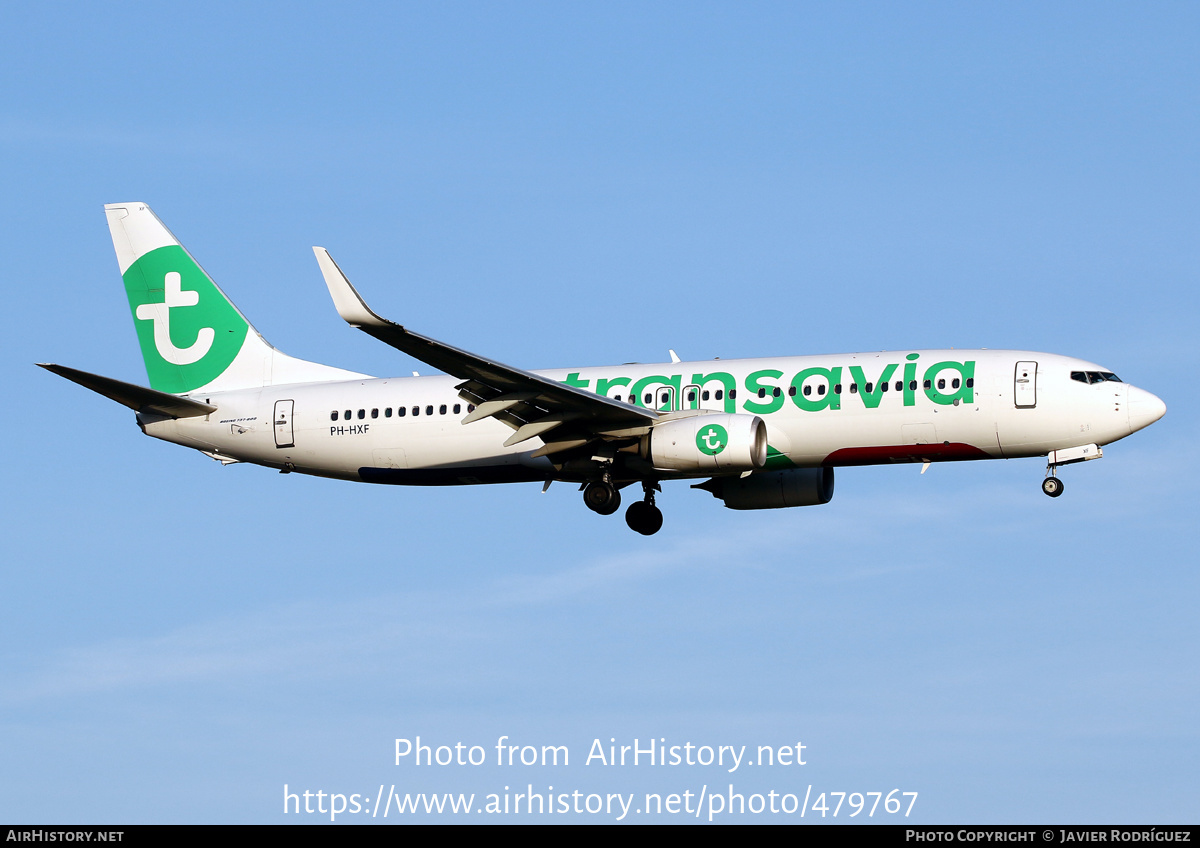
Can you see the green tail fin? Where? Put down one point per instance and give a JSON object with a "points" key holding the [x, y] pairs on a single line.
{"points": [[192, 336]]}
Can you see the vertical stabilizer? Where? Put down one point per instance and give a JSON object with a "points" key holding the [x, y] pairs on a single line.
{"points": [[192, 336]]}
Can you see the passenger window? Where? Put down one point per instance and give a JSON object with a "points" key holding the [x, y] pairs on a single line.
{"points": [[362, 413], [457, 408], [867, 388], [928, 384], [429, 409], [837, 390], [720, 394], [649, 398], [470, 407], [900, 385], [387, 413], [807, 391], [416, 410], [791, 391], [347, 416], [821, 389], [970, 382], [942, 383], [442, 409], [776, 392], [883, 387], [375, 413], [732, 394], [912, 385], [762, 393], [617, 398], [333, 416], [704, 395], [854, 388], [401, 410], [955, 383], [692, 396]]}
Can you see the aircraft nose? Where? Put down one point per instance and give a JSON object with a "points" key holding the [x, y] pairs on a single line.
{"points": [[1144, 408]]}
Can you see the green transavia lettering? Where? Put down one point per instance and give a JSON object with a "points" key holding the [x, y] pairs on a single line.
{"points": [[813, 389]]}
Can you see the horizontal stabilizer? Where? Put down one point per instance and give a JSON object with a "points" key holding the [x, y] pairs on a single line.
{"points": [[137, 398]]}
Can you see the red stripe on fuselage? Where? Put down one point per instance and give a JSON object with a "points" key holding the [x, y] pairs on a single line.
{"points": [[905, 453]]}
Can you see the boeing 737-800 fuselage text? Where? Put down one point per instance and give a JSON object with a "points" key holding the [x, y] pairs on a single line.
{"points": [[761, 433]]}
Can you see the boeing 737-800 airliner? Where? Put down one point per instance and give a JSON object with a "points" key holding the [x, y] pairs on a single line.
{"points": [[759, 433]]}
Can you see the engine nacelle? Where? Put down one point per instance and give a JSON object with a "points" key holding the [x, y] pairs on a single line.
{"points": [[774, 489], [714, 442]]}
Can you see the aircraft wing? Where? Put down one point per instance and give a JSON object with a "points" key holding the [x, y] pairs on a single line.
{"points": [[529, 403]]}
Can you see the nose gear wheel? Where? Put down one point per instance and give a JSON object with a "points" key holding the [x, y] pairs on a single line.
{"points": [[1052, 486]]}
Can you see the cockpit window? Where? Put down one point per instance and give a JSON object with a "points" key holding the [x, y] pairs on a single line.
{"points": [[1094, 377]]}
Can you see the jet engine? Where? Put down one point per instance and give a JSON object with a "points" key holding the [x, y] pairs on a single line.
{"points": [[773, 489], [716, 442]]}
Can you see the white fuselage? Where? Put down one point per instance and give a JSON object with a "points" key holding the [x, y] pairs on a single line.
{"points": [[832, 410]]}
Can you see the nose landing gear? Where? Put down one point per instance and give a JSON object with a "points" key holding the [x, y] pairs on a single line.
{"points": [[1052, 486]]}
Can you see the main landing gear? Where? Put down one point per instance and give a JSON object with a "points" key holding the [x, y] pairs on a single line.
{"points": [[643, 516], [602, 497]]}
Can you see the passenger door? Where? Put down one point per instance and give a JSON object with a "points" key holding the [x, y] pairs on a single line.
{"points": [[1025, 385], [284, 436]]}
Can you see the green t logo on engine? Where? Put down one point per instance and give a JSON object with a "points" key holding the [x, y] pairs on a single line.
{"points": [[712, 439]]}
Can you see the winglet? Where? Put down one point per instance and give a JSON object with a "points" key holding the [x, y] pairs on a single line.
{"points": [[346, 299]]}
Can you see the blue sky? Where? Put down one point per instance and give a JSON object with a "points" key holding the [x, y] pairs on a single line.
{"points": [[565, 185]]}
